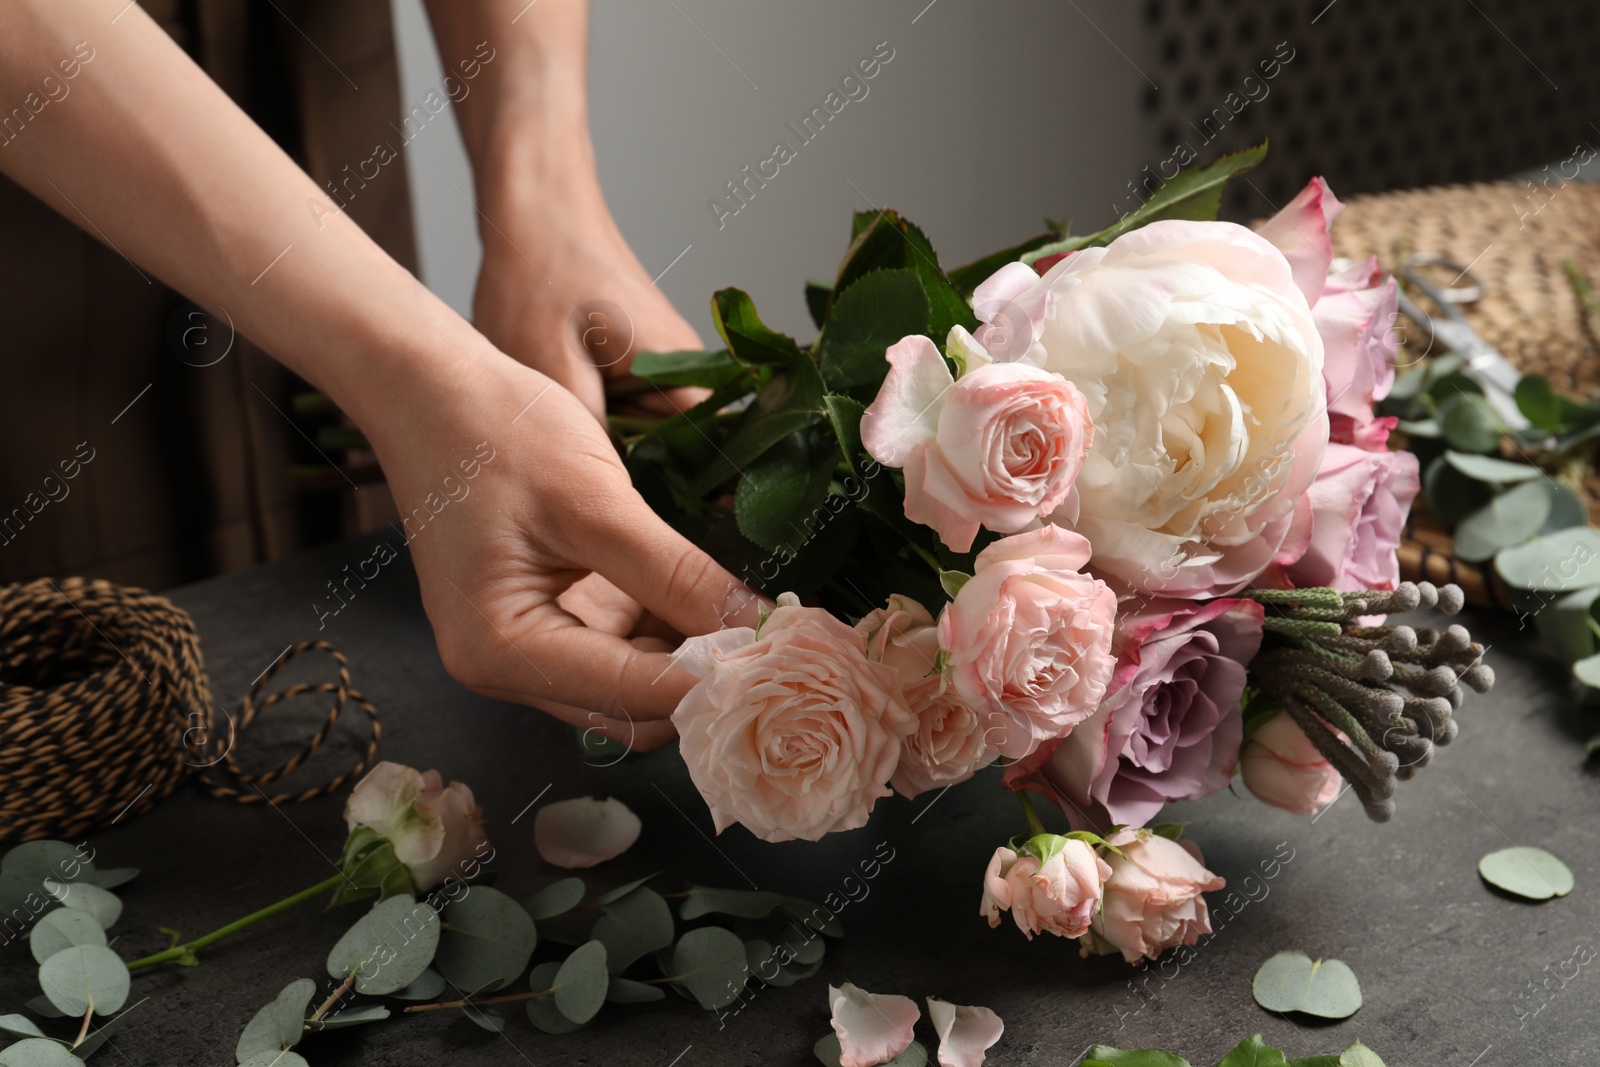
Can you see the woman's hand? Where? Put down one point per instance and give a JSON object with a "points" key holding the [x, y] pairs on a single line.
{"points": [[547, 578]]}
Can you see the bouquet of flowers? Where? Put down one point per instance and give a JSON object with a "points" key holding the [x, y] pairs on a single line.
{"points": [[1111, 510]]}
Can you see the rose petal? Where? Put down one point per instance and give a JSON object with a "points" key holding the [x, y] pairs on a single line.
{"points": [[583, 831], [698, 655], [872, 1028], [1300, 231], [965, 1032], [905, 412]]}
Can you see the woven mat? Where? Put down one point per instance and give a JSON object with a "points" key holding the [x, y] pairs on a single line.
{"points": [[1515, 237]]}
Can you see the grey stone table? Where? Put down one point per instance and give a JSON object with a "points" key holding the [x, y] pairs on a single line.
{"points": [[1450, 969]]}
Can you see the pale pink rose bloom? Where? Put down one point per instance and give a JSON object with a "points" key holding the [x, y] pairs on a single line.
{"points": [[1359, 505], [998, 449], [1281, 766], [1171, 725], [1028, 639], [1057, 896], [1152, 899], [436, 831], [791, 731], [947, 746], [965, 1032], [1300, 232], [584, 831], [872, 1027], [1201, 365]]}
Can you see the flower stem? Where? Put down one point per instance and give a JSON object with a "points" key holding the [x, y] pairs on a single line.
{"points": [[479, 1001], [189, 948], [1035, 826], [928, 557]]}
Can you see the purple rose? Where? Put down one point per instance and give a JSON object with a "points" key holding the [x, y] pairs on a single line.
{"points": [[1359, 505], [1172, 725]]}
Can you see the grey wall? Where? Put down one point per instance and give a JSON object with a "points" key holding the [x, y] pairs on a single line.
{"points": [[989, 117]]}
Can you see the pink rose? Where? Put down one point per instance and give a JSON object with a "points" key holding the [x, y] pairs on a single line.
{"points": [[1152, 898], [435, 830], [1300, 232], [947, 746], [792, 730], [1054, 896], [1281, 766], [1359, 505], [999, 448], [1171, 726], [1028, 639]]}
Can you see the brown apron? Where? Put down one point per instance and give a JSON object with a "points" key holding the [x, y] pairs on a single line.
{"points": [[125, 452]]}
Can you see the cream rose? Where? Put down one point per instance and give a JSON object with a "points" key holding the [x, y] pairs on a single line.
{"points": [[792, 730], [1152, 899], [1057, 895], [948, 744], [1202, 369], [998, 448], [1028, 639], [1281, 766], [435, 830]]}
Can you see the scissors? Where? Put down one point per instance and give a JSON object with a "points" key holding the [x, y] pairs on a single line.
{"points": [[1482, 362]]}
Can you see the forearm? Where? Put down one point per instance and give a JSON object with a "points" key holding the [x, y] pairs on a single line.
{"points": [[144, 150]]}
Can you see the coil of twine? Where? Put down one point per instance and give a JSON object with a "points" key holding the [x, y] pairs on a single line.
{"points": [[105, 708]]}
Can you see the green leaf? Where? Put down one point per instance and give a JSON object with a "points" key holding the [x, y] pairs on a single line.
{"points": [[1509, 519], [781, 490], [1191, 194], [813, 916], [947, 305], [952, 581], [371, 867], [818, 293], [37, 1052], [968, 277], [275, 1059], [34, 861], [103, 905], [627, 991], [85, 976], [1253, 1052], [1553, 563], [1359, 1055], [40, 1005], [791, 402], [426, 986], [877, 243], [1538, 402], [581, 983], [1527, 872], [709, 370], [1586, 670], [280, 1024], [102, 1033], [637, 924], [1490, 469], [1292, 981], [485, 941], [542, 1011], [1145, 1057], [62, 929], [877, 311], [110, 877], [19, 1026], [1564, 625], [486, 1018], [750, 340], [1468, 423], [371, 1013], [1315, 1061], [557, 898], [388, 947], [741, 903], [710, 963], [1452, 496], [828, 1051], [844, 414], [621, 891]]}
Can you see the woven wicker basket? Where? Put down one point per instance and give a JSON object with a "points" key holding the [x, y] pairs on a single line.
{"points": [[1515, 236]]}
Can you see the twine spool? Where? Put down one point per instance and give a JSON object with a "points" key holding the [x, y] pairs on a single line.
{"points": [[105, 708]]}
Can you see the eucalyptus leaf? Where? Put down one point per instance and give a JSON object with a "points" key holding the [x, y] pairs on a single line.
{"points": [[1468, 422], [627, 991], [102, 1033], [109, 877], [104, 905], [632, 927], [555, 899], [388, 947], [1253, 1052], [38, 1052], [1292, 981], [1538, 402], [805, 946], [542, 1011], [1492, 469], [276, 1059], [34, 861], [40, 1005], [84, 977], [278, 1025], [370, 1013], [1509, 519], [1144, 1057], [581, 983], [827, 1050], [488, 1018], [621, 891], [485, 940], [701, 901], [1564, 626], [426, 986], [1451, 495], [814, 916], [19, 1026], [1553, 563], [1527, 872], [62, 929], [1359, 1055], [710, 963]]}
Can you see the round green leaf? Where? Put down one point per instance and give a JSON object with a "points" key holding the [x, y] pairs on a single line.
{"points": [[278, 1025], [742, 903], [622, 890], [828, 1051], [388, 947], [1359, 1055], [710, 963], [426, 986], [110, 877], [637, 924], [1452, 496], [487, 1018], [1509, 519], [1528, 872], [1253, 1052], [275, 1059], [40, 1005], [486, 940], [62, 929], [542, 1011], [22, 1026], [557, 898], [38, 1052], [814, 916], [372, 1013], [104, 905], [85, 976], [627, 991], [581, 983], [1491, 469], [1587, 671], [34, 861], [1468, 422], [1553, 563], [1292, 981]]}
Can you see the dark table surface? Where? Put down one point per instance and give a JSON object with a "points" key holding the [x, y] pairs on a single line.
{"points": [[1451, 971]]}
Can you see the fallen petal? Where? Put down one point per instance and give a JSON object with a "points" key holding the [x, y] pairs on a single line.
{"points": [[872, 1028], [965, 1032], [583, 831]]}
